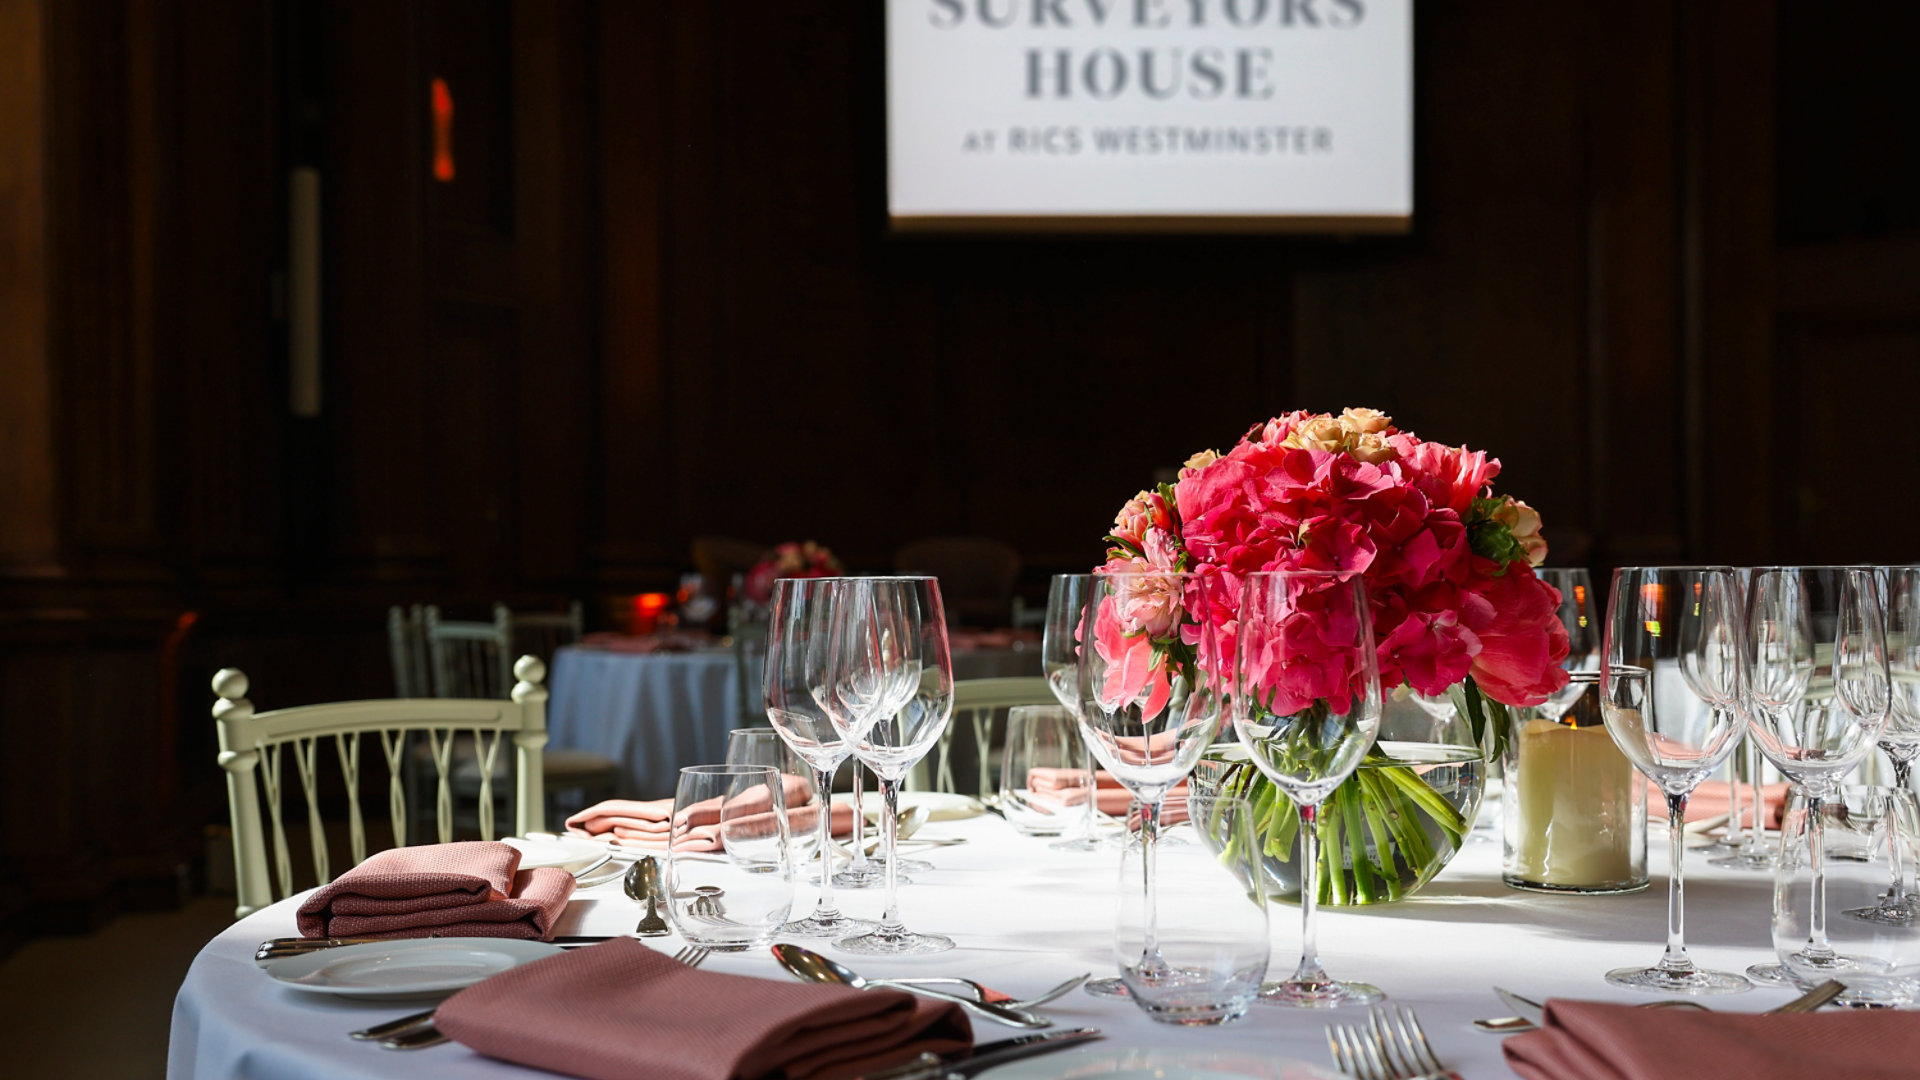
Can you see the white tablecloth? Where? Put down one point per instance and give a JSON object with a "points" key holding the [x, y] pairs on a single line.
{"points": [[1025, 917], [654, 712]]}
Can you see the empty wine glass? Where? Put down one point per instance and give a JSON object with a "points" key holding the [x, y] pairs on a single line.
{"points": [[1815, 654], [1046, 774], [1870, 838], [1901, 740], [1060, 661], [1306, 705], [1150, 689], [1751, 853], [889, 692], [763, 746], [798, 644], [1670, 687], [1583, 635]]}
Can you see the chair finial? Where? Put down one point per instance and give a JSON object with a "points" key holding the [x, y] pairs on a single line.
{"points": [[529, 669], [230, 683]]}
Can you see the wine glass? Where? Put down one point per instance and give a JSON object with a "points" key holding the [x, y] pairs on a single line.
{"points": [[1751, 853], [1306, 705], [1815, 655], [1583, 635], [1870, 838], [763, 746], [1901, 741], [1060, 662], [1670, 686], [889, 682], [1046, 774], [1150, 686], [798, 644]]}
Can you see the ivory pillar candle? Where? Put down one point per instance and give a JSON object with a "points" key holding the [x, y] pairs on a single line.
{"points": [[1576, 817]]}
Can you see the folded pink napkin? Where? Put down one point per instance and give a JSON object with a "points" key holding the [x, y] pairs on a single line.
{"points": [[650, 825], [1588, 1040], [620, 1010], [468, 889], [1712, 798], [1057, 789]]}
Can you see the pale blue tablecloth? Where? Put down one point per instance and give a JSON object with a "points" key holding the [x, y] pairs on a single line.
{"points": [[655, 712]]}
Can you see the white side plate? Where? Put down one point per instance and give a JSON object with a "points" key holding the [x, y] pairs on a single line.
{"points": [[414, 968], [569, 853]]}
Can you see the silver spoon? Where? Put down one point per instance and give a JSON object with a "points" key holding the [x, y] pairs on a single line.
{"points": [[642, 885], [810, 966], [997, 997]]}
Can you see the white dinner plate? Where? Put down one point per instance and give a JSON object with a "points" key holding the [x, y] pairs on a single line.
{"points": [[411, 968], [941, 805], [1161, 1064], [570, 853]]}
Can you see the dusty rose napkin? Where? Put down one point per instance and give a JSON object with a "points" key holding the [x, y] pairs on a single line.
{"points": [[1588, 1040], [620, 1010], [468, 889], [1712, 798], [649, 825], [1057, 789]]}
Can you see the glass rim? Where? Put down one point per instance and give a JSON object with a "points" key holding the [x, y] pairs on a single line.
{"points": [[1070, 577], [731, 732], [1251, 574], [726, 770], [1694, 568]]}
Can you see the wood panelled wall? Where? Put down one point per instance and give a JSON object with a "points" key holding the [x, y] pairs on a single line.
{"points": [[657, 299]]}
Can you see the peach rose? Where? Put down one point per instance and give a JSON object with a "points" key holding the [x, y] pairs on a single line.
{"points": [[1198, 461], [1365, 421], [1373, 448], [1319, 433], [1523, 522]]}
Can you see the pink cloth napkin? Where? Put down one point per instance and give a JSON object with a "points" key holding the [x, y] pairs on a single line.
{"points": [[649, 825], [620, 1010], [468, 889], [1057, 789], [1711, 798], [1588, 1040]]}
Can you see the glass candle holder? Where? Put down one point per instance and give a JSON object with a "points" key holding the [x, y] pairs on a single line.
{"points": [[1574, 809]]}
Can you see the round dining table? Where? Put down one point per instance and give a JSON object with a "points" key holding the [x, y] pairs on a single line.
{"points": [[1024, 917]]}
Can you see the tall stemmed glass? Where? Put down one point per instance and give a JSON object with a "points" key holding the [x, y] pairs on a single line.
{"points": [[1583, 635], [799, 640], [1815, 654], [1151, 680], [1901, 741], [1306, 704], [1060, 662], [1670, 690], [890, 689]]}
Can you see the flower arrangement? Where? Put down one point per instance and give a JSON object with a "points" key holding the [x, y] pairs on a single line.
{"points": [[789, 560], [1448, 567]]}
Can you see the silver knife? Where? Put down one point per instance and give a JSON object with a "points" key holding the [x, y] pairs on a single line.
{"points": [[985, 1056], [1530, 1011]]}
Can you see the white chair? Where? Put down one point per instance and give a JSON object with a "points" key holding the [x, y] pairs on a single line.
{"points": [[470, 659], [253, 744], [541, 633], [978, 702], [407, 642]]}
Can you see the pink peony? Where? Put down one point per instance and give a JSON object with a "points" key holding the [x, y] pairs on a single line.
{"points": [[1522, 641]]}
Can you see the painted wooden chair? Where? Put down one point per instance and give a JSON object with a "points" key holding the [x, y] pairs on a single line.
{"points": [[407, 643], [977, 704], [541, 633], [252, 746]]}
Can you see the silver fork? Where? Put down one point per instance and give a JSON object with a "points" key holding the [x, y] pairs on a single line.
{"points": [[416, 1031], [1390, 1046]]}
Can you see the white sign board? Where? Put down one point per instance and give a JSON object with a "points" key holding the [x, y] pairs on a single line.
{"points": [[1143, 115]]}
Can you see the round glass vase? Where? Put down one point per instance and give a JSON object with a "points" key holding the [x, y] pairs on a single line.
{"points": [[1574, 809], [1385, 832]]}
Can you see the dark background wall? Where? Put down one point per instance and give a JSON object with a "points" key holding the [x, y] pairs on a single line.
{"points": [[1666, 265]]}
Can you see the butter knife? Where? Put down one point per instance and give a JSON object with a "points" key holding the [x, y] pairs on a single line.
{"points": [[985, 1056], [1530, 1011]]}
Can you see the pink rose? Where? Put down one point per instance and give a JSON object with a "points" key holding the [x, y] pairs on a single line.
{"points": [[1522, 641]]}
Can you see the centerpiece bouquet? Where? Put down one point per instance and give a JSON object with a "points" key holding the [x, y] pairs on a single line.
{"points": [[1457, 613], [789, 560]]}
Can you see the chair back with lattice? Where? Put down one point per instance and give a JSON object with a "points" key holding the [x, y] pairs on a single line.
{"points": [[407, 643], [252, 746], [471, 659], [976, 575], [541, 633], [977, 705]]}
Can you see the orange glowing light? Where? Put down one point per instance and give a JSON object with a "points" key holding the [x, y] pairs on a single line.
{"points": [[442, 132], [1653, 600], [646, 611]]}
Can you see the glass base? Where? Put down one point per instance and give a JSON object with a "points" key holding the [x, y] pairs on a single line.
{"points": [[903, 943], [836, 927], [1770, 975], [907, 866], [1084, 843], [1904, 911], [1106, 988], [869, 876], [1741, 859], [1513, 882], [1661, 981], [1331, 994]]}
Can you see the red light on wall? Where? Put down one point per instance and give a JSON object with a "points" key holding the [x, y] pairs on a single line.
{"points": [[442, 131], [646, 612]]}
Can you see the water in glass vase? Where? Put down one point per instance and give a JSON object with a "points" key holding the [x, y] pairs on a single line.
{"points": [[1383, 834]]}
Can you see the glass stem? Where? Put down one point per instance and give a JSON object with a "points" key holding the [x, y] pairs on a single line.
{"points": [[1757, 825], [1818, 949], [1151, 965], [890, 925], [1902, 768], [859, 823], [1309, 970], [1734, 818], [1676, 960], [823, 783]]}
